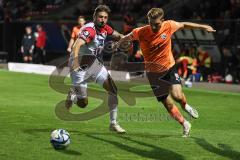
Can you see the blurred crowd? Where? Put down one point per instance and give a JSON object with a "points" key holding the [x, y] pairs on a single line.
{"points": [[195, 64], [25, 9], [132, 6], [211, 9]]}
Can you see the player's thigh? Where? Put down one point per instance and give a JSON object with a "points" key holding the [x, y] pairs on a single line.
{"points": [[109, 85], [176, 91], [168, 103], [79, 83], [159, 86], [104, 79]]}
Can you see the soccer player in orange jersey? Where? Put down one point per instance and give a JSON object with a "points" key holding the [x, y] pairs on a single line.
{"points": [[155, 43], [75, 32]]}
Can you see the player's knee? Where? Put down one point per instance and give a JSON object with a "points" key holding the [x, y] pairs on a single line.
{"points": [[110, 86], [177, 96], [168, 104], [113, 90], [82, 102]]}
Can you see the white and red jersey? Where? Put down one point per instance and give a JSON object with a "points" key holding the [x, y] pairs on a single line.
{"points": [[94, 38]]}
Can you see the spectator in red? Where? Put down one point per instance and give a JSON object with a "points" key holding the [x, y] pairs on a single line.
{"points": [[204, 63], [41, 38]]}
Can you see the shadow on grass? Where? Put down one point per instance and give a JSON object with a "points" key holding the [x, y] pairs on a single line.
{"points": [[156, 152], [36, 131], [69, 152], [222, 149], [65, 151], [49, 130]]}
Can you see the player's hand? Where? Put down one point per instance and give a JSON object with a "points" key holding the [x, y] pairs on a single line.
{"points": [[69, 50], [209, 28], [115, 45]]}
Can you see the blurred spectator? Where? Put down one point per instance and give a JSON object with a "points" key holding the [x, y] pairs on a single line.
{"points": [[230, 64], [22, 9], [129, 23], [41, 38], [204, 63], [27, 46], [75, 31], [187, 62]]}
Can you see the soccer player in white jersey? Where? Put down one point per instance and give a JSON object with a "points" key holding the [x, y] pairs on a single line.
{"points": [[85, 64]]}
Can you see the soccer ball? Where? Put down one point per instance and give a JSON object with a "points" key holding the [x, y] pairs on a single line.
{"points": [[60, 139]]}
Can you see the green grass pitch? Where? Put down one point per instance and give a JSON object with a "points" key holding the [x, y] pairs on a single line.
{"points": [[27, 117]]}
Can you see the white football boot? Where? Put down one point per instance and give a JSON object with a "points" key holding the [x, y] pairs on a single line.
{"points": [[117, 128], [191, 111], [186, 129]]}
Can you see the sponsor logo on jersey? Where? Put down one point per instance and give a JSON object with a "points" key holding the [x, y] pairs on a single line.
{"points": [[164, 36]]}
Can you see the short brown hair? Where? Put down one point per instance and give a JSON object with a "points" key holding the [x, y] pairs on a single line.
{"points": [[101, 8], [155, 13]]}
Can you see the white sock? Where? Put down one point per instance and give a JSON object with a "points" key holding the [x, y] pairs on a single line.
{"points": [[112, 103], [188, 107]]}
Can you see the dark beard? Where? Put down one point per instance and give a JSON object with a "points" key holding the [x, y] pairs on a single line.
{"points": [[100, 24]]}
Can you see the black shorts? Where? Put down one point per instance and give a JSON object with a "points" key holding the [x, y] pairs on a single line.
{"points": [[161, 82]]}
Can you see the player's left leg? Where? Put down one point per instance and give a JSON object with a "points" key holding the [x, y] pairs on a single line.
{"points": [[104, 79], [178, 95]]}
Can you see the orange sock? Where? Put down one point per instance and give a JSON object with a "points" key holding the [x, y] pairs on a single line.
{"points": [[174, 112]]}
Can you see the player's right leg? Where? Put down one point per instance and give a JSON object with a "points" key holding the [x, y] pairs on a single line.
{"points": [[161, 89], [175, 113]]}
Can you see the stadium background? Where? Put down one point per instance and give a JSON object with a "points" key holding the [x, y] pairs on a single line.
{"points": [[58, 18], [27, 108]]}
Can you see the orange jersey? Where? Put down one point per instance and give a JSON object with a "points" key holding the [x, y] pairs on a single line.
{"points": [[157, 47], [75, 32]]}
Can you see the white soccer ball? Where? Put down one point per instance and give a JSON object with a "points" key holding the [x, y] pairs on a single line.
{"points": [[60, 139]]}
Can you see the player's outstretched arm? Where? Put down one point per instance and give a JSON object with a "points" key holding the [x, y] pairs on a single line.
{"points": [[189, 25], [116, 35], [125, 40], [122, 40], [76, 48]]}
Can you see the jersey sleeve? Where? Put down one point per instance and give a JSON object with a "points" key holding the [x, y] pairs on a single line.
{"points": [[87, 34], [135, 34], [174, 26], [109, 30]]}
